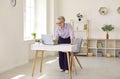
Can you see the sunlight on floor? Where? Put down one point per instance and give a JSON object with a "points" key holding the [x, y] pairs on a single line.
{"points": [[41, 77], [52, 61], [18, 76]]}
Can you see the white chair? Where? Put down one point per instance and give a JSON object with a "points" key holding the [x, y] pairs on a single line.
{"points": [[78, 42]]}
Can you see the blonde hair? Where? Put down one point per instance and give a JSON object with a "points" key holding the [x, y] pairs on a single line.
{"points": [[61, 18]]}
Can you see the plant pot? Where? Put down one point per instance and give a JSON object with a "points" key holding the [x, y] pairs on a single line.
{"points": [[79, 19], [34, 37], [107, 36]]}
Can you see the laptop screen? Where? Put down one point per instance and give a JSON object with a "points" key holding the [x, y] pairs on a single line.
{"points": [[47, 39]]}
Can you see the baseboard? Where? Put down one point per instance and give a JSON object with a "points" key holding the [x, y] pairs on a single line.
{"points": [[12, 67]]}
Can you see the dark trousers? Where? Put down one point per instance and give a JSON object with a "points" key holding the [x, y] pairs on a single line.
{"points": [[62, 55]]}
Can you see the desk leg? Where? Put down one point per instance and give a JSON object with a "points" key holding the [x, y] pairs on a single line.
{"points": [[41, 60], [69, 67], [34, 63], [73, 63]]}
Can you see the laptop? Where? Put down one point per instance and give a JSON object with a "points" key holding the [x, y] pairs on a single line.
{"points": [[48, 39]]}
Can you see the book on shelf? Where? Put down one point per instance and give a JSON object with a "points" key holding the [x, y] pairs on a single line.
{"points": [[99, 45], [110, 46], [99, 53], [118, 54]]}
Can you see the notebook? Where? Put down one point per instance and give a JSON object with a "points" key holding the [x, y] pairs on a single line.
{"points": [[48, 39]]}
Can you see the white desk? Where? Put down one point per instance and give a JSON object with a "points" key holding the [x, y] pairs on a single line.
{"points": [[61, 47]]}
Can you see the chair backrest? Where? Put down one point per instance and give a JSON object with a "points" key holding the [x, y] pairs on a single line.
{"points": [[78, 42]]}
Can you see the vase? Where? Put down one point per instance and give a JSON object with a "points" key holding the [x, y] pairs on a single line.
{"points": [[107, 36], [85, 26], [34, 37]]}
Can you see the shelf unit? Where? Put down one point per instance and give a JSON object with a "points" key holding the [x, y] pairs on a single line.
{"points": [[81, 29], [109, 47]]}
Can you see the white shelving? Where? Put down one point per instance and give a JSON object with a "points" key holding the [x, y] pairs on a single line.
{"points": [[81, 30], [109, 47]]}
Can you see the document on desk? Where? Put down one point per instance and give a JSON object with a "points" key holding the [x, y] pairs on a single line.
{"points": [[59, 47]]}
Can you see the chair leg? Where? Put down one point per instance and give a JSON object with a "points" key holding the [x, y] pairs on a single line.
{"points": [[73, 63], [69, 67], [78, 62]]}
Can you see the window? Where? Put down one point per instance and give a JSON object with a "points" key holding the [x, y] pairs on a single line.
{"points": [[35, 18], [41, 21], [29, 22]]}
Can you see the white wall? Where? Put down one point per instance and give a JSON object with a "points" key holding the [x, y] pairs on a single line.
{"points": [[12, 48], [89, 9]]}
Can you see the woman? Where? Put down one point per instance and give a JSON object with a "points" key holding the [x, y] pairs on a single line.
{"points": [[64, 34]]}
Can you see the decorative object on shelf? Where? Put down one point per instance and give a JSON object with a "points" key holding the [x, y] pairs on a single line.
{"points": [[13, 3], [99, 45], [90, 54], [79, 16], [72, 22], [108, 55], [118, 9], [85, 26], [118, 54], [99, 53], [107, 28], [103, 10]]}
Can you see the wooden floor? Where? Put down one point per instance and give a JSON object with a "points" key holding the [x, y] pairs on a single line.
{"points": [[93, 68]]}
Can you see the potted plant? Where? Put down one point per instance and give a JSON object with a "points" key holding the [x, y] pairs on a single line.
{"points": [[37, 41], [79, 16], [34, 35], [107, 28]]}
